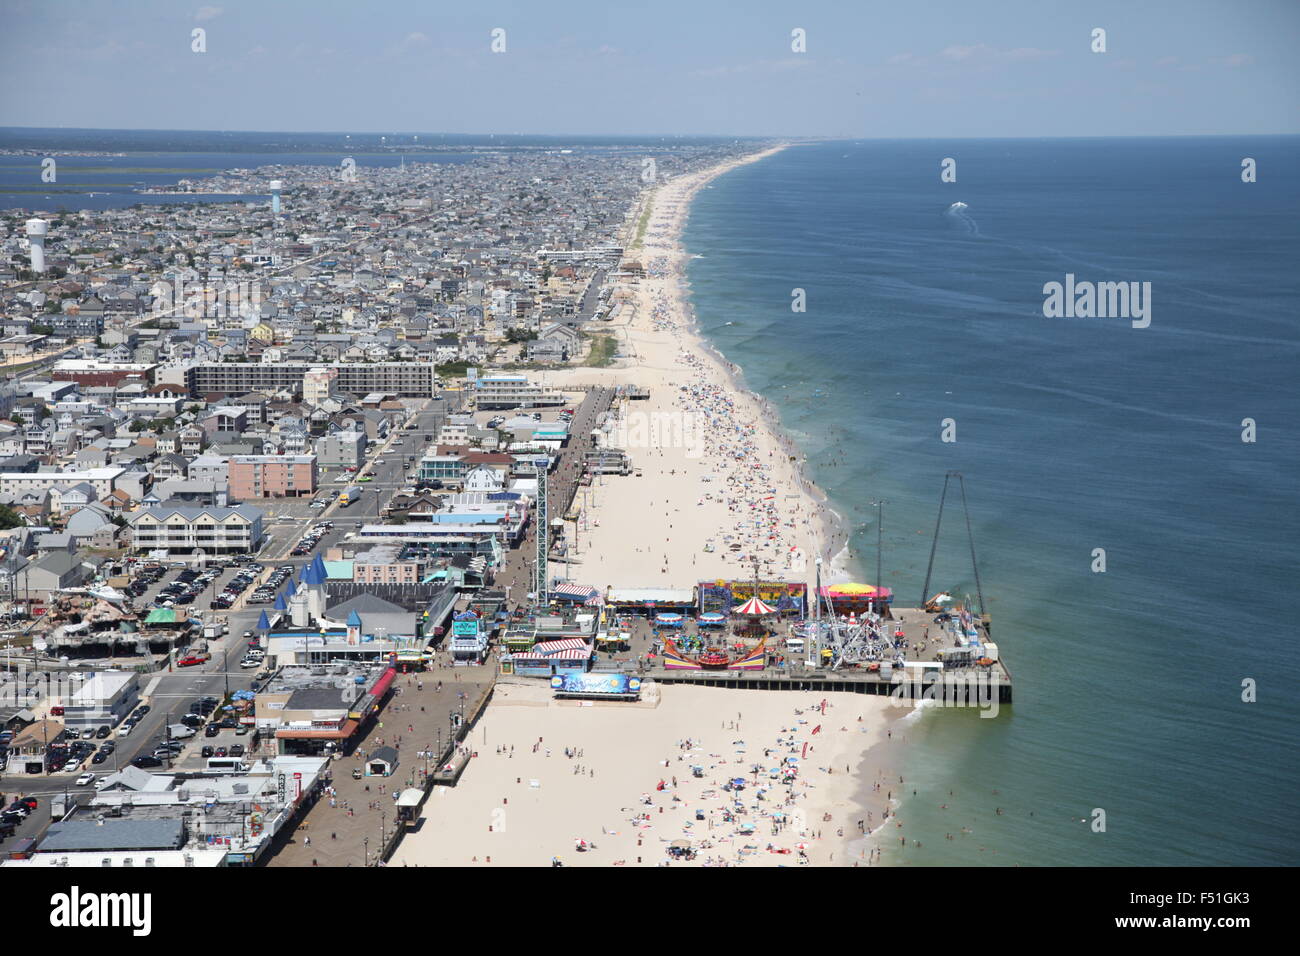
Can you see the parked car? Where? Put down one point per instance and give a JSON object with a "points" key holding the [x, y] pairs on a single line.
{"points": [[212, 730], [145, 762], [103, 732], [206, 752]]}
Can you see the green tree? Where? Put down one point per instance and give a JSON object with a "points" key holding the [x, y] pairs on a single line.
{"points": [[9, 518]]}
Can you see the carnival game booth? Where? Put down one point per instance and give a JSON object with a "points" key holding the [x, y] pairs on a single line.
{"points": [[549, 659], [651, 601], [857, 598]]}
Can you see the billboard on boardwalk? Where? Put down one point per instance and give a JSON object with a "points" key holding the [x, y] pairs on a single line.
{"points": [[596, 685]]}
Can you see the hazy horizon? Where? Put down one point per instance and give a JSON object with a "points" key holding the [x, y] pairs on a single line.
{"points": [[950, 70]]}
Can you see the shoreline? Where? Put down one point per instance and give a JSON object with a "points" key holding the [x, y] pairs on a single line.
{"points": [[734, 494], [549, 776], [665, 351]]}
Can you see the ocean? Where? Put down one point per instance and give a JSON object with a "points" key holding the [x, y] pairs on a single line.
{"points": [[1072, 434]]}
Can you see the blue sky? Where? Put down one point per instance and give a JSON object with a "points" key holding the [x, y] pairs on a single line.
{"points": [[872, 69]]}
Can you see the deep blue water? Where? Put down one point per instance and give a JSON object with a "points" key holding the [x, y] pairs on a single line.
{"points": [[1072, 434]]}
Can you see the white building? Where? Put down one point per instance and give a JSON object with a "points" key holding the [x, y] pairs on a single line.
{"points": [[235, 530], [101, 479], [106, 698]]}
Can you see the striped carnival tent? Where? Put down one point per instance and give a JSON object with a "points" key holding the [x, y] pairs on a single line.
{"points": [[580, 593], [755, 606], [568, 649]]}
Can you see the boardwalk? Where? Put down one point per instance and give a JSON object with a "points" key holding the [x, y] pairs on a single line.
{"points": [[328, 835]]}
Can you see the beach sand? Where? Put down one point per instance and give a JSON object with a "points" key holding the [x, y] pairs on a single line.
{"points": [[526, 807], [715, 471], [719, 487]]}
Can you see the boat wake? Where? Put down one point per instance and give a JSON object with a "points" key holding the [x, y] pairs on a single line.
{"points": [[961, 219]]}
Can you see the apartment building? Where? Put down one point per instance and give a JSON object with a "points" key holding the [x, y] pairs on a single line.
{"points": [[513, 391], [406, 379], [385, 564], [271, 476], [182, 529], [341, 449], [101, 479]]}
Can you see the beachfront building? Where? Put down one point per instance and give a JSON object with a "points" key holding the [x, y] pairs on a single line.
{"points": [[651, 600], [550, 658], [507, 527], [512, 391], [185, 530]]}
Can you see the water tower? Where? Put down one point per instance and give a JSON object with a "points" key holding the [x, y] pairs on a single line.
{"points": [[37, 229], [276, 186]]}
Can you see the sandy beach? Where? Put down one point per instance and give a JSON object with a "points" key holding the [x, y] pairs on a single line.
{"points": [[718, 487], [552, 773]]}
